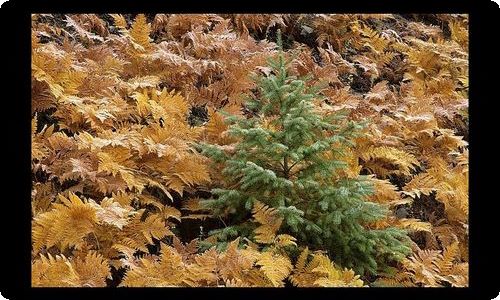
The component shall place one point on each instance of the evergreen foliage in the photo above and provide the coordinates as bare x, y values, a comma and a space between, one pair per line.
288, 157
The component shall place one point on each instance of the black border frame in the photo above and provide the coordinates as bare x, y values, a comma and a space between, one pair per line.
15, 235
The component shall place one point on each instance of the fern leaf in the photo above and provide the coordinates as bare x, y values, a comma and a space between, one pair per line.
269, 220
66, 224
139, 32
119, 21
113, 213
90, 271
275, 267
415, 225
283, 240
404, 161
450, 253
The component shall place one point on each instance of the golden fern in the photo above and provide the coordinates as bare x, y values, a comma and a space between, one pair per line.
275, 266
321, 272
59, 271
65, 225
139, 33
431, 268
388, 160
216, 129
270, 222
233, 267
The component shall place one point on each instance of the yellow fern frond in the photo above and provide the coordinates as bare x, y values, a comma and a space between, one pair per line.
283, 240
137, 234
331, 276
321, 272
189, 171
414, 225
302, 260
154, 227
276, 267
459, 33
450, 253
65, 225
90, 271
216, 128
168, 271
139, 32
173, 103
385, 192
52, 272
119, 21
392, 282
423, 183
270, 222
402, 161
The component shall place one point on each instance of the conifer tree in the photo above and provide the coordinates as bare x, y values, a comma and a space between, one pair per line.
288, 157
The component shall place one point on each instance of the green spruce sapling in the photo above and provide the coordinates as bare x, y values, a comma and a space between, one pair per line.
288, 157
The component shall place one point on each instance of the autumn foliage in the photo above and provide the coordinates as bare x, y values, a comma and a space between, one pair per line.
140, 124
